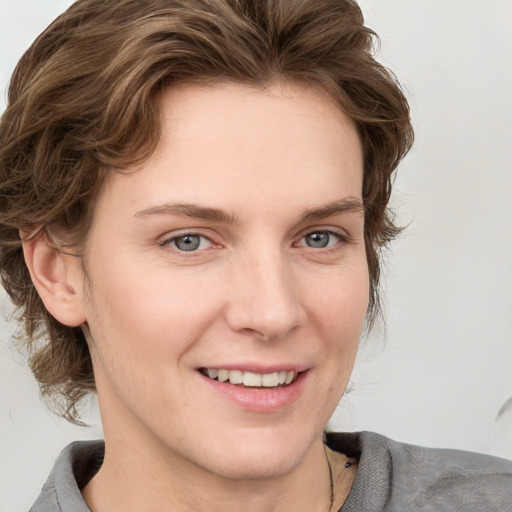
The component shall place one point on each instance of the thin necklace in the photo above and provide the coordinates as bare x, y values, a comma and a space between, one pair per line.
331, 480
331, 483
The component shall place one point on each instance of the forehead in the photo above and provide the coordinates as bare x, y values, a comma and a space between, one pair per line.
279, 118
234, 146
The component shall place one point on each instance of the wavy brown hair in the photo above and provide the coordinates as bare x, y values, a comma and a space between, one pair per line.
81, 104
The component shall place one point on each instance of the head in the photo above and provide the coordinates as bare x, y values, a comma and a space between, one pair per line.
85, 109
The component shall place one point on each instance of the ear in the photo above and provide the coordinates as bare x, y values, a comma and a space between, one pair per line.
58, 279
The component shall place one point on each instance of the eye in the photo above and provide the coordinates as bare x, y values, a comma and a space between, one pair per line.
320, 239
188, 242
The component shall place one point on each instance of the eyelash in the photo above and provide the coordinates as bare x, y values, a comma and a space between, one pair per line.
342, 238
169, 241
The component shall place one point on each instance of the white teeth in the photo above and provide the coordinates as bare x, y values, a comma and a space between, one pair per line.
270, 380
223, 375
251, 379
213, 373
236, 376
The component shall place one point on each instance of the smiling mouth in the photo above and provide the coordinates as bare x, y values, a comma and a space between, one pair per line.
250, 379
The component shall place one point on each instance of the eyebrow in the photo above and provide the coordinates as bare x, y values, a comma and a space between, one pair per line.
189, 210
346, 205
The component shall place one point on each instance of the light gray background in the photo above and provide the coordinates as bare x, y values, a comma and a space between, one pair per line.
444, 369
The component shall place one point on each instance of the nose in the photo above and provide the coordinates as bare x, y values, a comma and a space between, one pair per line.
264, 298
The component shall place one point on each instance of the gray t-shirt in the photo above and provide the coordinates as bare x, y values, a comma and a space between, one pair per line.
391, 477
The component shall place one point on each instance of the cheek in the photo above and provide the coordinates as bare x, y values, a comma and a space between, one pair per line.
341, 304
157, 308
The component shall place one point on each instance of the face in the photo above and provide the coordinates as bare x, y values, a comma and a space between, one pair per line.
227, 282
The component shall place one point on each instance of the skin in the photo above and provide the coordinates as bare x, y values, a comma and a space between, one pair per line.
254, 292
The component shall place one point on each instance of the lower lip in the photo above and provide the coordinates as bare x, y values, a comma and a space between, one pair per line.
259, 399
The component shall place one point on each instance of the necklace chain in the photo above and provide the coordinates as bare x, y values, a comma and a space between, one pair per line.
331, 483
331, 479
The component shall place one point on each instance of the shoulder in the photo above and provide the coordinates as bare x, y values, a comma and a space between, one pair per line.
401, 476
74, 467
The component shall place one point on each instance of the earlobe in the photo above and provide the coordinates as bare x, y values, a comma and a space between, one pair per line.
57, 278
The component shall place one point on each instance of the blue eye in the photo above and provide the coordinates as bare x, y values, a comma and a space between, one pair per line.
321, 239
188, 242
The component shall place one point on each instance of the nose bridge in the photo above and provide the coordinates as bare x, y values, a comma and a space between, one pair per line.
265, 297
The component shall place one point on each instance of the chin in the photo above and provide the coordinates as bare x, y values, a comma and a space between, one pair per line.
259, 458
255, 468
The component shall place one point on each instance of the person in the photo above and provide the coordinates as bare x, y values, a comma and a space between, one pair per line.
194, 196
